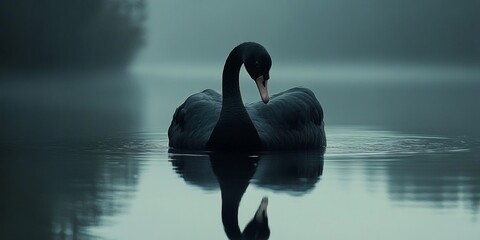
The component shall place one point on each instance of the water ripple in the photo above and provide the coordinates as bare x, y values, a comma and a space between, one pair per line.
360, 142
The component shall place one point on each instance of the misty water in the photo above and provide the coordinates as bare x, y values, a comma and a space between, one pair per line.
85, 156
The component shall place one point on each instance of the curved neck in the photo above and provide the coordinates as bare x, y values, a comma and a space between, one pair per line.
230, 78
230, 205
234, 119
233, 172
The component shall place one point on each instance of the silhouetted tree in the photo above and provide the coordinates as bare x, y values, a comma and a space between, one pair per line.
69, 33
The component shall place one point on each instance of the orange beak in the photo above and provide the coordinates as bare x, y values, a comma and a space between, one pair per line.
262, 88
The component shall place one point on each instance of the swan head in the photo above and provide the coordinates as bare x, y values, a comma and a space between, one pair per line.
257, 62
258, 228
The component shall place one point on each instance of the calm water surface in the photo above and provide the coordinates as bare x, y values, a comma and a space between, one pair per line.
369, 184
86, 157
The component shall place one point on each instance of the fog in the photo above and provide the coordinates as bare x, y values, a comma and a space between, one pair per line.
327, 31
345, 31
409, 65
88, 90
68, 34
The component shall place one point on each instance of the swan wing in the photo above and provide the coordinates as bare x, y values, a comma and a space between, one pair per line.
293, 119
194, 120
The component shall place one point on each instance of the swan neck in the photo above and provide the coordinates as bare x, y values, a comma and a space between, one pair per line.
232, 191
234, 119
230, 220
233, 179
230, 79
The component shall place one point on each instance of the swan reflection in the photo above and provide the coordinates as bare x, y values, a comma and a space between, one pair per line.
295, 173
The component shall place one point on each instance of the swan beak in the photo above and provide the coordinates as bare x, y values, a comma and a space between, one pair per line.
261, 213
262, 88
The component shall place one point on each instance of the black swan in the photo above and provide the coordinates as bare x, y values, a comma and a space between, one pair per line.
292, 172
292, 119
233, 173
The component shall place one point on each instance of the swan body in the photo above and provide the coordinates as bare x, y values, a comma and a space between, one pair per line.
292, 119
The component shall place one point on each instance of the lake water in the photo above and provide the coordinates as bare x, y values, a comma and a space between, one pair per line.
90, 160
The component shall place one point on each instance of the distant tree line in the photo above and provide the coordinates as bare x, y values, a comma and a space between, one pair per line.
70, 33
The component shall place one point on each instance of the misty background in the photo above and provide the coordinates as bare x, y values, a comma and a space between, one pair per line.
88, 89
73, 69
407, 65
338, 31
346, 31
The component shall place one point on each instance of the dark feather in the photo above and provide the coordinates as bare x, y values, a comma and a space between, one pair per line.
194, 120
293, 119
